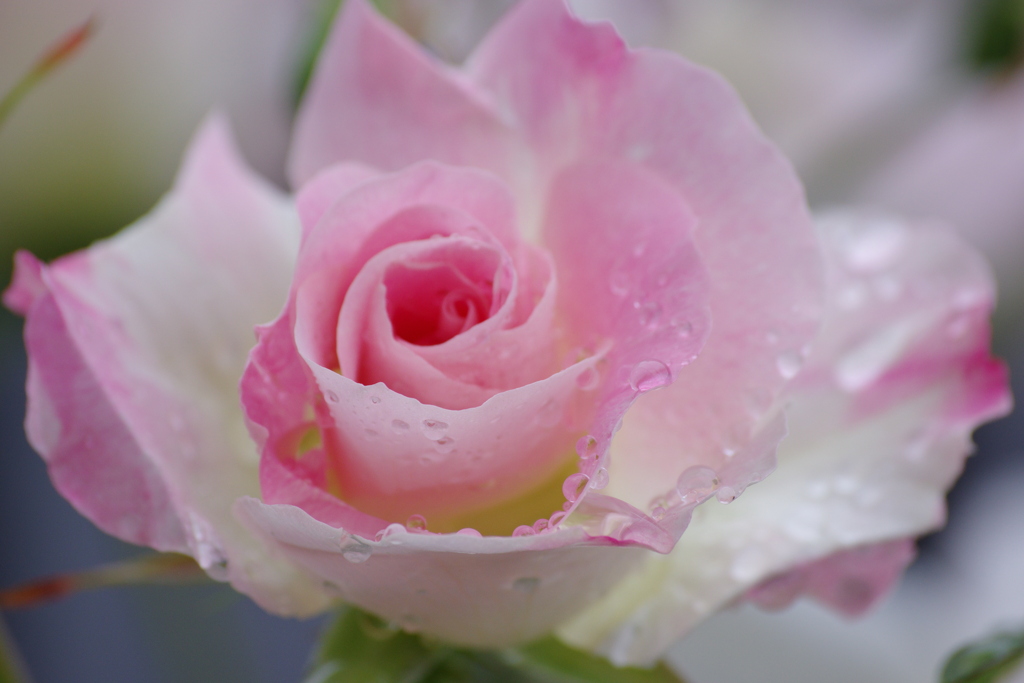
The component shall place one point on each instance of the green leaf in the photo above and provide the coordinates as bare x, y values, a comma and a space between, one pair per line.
996, 39
360, 648
551, 661
985, 661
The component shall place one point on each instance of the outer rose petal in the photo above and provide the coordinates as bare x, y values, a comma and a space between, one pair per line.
879, 422
467, 590
376, 97
572, 95
136, 346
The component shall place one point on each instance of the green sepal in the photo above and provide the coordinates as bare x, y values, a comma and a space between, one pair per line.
986, 661
360, 648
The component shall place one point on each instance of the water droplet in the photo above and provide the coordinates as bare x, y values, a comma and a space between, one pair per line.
445, 444
574, 486
696, 484
399, 425
600, 478
649, 313
588, 379
469, 531
540, 525
523, 530
434, 429
331, 396
375, 399
416, 523
586, 447
683, 328
526, 584
726, 495
619, 284
659, 508
390, 530
556, 519
728, 452
789, 364
356, 552
648, 375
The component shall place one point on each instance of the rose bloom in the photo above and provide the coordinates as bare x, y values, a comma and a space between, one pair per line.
535, 319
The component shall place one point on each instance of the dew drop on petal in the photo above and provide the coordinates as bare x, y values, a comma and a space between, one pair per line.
789, 364
390, 530
399, 425
659, 508
649, 313
726, 495
523, 530
445, 444
648, 375
586, 447
600, 478
416, 523
540, 525
574, 486
356, 552
556, 519
331, 396
696, 483
588, 379
434, 429
469, 531
375, 399
683, 328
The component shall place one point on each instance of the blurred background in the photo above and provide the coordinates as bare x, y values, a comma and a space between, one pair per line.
915, 106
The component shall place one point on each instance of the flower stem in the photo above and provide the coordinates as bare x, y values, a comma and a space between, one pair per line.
153, 568
61, 51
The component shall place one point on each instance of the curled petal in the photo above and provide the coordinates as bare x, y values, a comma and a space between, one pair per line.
467, 590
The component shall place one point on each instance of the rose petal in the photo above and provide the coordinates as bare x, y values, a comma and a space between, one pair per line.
577, 92
461, 588
879, 425
136, 348
376, 97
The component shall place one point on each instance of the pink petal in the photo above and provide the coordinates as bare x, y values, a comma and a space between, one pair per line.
397, 450
460, 588
880, 420
577, 93
135, 349
850, 581
376, 97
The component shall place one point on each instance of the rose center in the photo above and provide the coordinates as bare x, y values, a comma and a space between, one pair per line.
429, 303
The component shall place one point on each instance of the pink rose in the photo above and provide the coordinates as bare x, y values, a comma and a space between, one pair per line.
535, 313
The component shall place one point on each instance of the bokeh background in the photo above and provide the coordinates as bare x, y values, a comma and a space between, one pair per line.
912, 106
